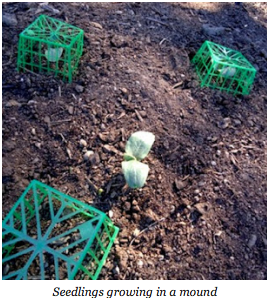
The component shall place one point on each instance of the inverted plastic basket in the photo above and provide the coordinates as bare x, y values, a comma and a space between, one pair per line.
224, 69
50, 235
50, 46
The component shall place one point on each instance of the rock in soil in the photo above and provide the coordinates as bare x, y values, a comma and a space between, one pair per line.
88, 154
9, 19
79, 88
213, 30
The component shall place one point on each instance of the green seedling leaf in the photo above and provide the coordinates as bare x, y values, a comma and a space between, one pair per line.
139, 144
128, 157
53, 54
100, 192
135, 173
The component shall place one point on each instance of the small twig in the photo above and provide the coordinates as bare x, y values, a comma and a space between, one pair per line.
171, 151
60, 121
8, 86
63, 139
147, 228
158, 21
92, 185
32, 72
157, 11
177, 84
138, 116
163, 40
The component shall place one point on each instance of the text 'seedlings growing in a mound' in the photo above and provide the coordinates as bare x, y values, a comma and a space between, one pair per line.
137, 148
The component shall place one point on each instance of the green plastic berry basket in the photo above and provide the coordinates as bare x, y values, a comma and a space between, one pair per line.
51, 46
50, 235
224, 69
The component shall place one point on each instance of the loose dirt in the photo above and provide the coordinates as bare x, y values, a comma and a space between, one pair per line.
202, 213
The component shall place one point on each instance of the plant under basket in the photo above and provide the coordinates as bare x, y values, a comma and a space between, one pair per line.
51, 46
224, 69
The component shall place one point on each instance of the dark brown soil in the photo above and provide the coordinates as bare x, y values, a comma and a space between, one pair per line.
202, 213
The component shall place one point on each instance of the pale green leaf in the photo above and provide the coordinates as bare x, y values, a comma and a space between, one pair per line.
139, 144
228, 71
30, 32
53, 54
135, 173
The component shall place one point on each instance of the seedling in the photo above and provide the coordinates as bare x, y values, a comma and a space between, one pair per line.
137, 148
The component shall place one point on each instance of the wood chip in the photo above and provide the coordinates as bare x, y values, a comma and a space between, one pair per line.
203, 208
121, 115
69, 153
96, 25
110, 148
179, 184
177, 84
138, 116
11, 103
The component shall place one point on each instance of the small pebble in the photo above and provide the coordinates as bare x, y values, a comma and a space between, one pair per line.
218, 152
83, 143
172, 209
127, 206
140, 263
134, 203
110, 214
180, 184
237, 122
38, 145
124, 90
113, 195
196, 198
79, 88
225, 123
213, 30
6, 269
136, 232
143, 113
71, 110
88, 154
252, 240
196, 192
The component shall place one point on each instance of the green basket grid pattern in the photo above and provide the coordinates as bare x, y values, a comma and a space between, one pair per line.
50, 235
223, 68
51, 46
